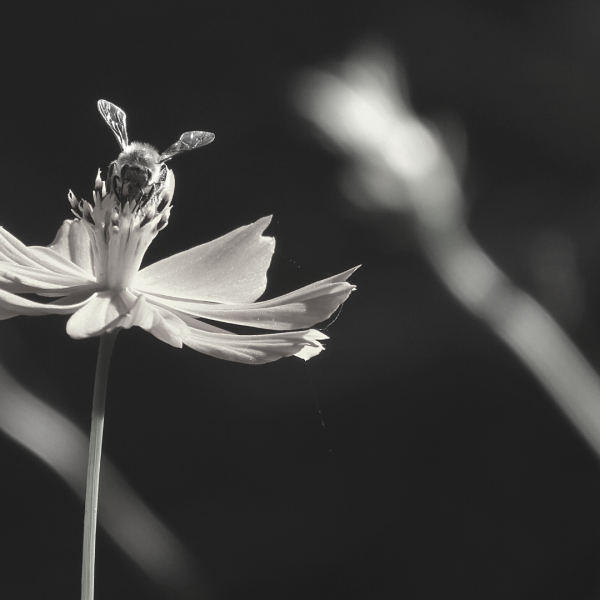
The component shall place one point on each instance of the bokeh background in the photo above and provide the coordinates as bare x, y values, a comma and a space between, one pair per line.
442, 469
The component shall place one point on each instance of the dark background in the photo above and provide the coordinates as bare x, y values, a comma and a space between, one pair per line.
443, 471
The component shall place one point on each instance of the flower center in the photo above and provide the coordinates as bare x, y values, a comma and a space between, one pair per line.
121, 233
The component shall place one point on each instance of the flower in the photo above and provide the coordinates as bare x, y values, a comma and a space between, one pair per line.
92, 267
399, 162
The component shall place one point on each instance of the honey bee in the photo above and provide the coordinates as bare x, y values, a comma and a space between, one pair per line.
139, 174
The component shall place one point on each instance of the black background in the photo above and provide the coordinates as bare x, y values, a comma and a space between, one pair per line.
443, 470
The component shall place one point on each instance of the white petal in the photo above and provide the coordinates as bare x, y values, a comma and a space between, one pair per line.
7, 314
53, 261
12, 251
19, 280
312, 350
231, 268
303, 308
97, 316
161, 323
10, 303
73, 243
77, 297
251, 349
111, 309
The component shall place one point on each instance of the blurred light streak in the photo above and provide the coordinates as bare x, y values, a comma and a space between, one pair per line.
400, 165
128, 521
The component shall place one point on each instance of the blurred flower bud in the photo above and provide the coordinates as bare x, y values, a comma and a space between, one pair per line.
399, 162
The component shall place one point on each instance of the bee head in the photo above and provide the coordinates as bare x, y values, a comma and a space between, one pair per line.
137, 174
140, 157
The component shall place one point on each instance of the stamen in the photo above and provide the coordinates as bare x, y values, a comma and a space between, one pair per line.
120, 231
73, 200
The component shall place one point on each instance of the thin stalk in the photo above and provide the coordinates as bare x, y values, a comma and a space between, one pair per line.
107, 342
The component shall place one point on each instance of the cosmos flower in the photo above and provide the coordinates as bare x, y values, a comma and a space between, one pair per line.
92, 268
398, 160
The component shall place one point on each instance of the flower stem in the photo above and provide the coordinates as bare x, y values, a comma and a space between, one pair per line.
107, 342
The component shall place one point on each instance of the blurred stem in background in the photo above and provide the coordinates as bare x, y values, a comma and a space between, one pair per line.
129, 522
400, 165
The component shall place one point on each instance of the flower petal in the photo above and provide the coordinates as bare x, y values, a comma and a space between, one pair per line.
231, 268
14, 251
7, 314
73, 243
252, 349
12, 305
97, 316
312, 350
111, 309
19, 280
303, 308
161, 323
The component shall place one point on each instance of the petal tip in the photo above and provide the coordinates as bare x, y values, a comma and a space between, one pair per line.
314, 346
264, 222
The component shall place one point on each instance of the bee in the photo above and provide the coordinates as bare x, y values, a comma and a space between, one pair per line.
140, 174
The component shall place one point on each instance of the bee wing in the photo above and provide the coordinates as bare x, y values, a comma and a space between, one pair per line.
115, 118
190, 140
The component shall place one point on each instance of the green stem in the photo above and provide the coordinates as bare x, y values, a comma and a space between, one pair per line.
107, 342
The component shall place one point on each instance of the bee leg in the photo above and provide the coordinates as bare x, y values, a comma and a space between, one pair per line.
110, 176
163, 173
113, 181
115, 188
145, 198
